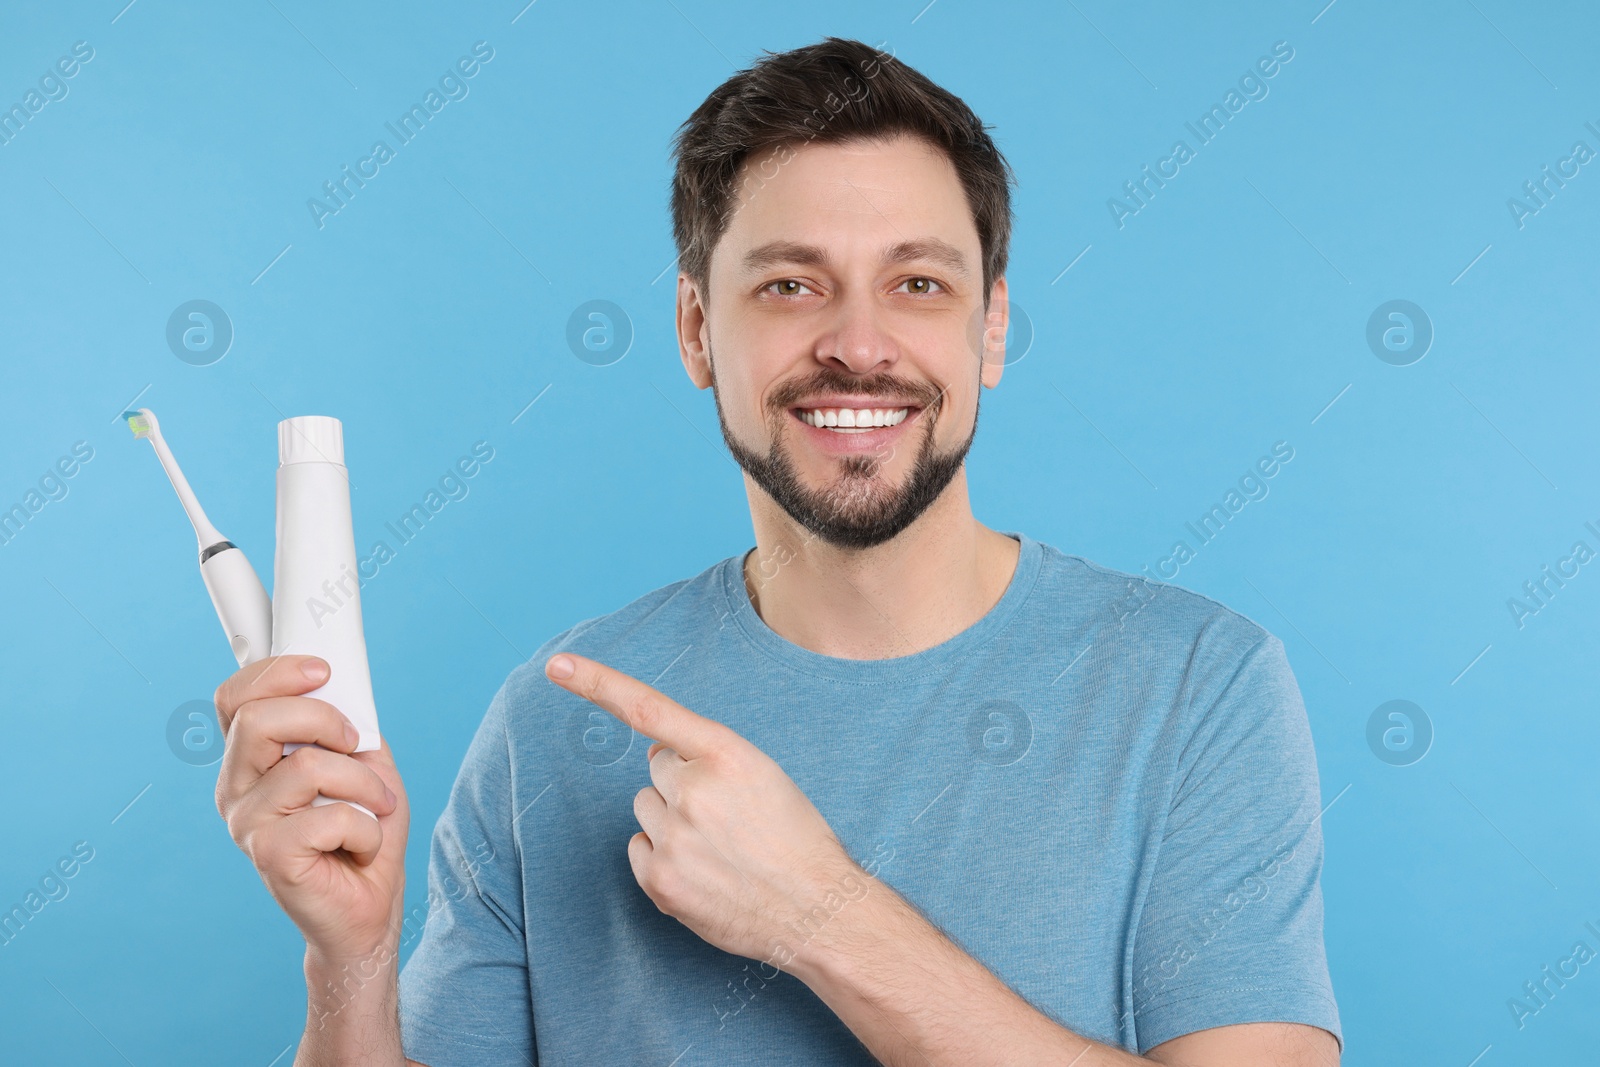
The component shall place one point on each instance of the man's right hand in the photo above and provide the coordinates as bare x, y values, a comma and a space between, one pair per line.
338, 874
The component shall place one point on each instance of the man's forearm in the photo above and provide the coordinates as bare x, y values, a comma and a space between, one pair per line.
352, 1012
914, 998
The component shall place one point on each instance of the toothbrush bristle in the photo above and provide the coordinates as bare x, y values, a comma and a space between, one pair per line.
137, 423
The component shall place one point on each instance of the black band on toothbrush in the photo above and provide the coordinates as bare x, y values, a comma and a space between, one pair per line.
212, 550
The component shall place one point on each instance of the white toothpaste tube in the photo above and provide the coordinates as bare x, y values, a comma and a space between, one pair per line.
316, 596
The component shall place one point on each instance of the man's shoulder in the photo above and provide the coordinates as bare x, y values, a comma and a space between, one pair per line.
1122, 599
633, 637
1202, 666
1155, 627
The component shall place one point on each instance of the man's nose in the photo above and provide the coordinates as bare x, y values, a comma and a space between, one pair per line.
858, 339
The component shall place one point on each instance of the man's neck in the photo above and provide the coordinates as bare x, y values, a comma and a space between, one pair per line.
935, 579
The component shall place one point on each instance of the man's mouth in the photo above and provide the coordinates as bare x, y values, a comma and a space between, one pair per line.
852, 419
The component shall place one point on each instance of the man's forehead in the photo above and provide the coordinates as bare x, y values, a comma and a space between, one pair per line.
897, 201
849, 175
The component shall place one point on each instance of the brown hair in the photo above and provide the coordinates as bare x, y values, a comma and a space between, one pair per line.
835, 90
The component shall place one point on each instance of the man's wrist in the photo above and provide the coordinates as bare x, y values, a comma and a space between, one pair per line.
862, 918
336, 986
352, 1009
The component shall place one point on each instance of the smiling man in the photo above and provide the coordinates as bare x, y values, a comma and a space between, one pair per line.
921, 791
890, 786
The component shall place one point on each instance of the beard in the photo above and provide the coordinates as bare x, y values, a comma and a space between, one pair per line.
856, 510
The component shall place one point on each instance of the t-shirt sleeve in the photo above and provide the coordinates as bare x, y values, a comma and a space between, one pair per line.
1231, 928
464, 992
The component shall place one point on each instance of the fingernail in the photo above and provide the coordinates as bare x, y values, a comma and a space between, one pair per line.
351, 734
560, 667
393, 800
315, 669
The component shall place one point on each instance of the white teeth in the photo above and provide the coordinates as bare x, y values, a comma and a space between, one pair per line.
853, 420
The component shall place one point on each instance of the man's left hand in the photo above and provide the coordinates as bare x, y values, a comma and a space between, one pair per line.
730, 846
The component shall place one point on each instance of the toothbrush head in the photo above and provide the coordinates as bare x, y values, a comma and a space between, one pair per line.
141, 422
145, 426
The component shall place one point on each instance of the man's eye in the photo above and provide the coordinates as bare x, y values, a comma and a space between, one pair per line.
920, 286
788, 287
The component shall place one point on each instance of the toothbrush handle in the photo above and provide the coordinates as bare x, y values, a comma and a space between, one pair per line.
240, 599
319, 800
245, 610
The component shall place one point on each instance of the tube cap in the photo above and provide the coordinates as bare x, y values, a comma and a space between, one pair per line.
310, 439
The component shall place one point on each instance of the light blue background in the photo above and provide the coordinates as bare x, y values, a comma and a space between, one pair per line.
1225, 316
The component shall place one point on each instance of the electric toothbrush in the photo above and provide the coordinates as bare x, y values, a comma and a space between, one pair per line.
240, 599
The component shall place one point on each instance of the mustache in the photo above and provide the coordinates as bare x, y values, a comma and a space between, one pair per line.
879, 387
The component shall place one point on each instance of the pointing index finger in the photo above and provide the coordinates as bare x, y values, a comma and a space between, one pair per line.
651, 713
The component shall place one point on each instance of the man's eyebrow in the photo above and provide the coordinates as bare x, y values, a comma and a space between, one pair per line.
932, 249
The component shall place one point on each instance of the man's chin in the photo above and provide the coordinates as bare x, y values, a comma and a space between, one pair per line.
849, 501
846, 484
860, 515
851, 522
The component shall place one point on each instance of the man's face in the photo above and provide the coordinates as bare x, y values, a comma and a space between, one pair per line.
843, 334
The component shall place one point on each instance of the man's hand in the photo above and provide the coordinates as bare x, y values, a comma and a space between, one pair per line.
730, 846
338, 874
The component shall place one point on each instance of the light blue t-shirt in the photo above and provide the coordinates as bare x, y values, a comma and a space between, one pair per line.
1104, 790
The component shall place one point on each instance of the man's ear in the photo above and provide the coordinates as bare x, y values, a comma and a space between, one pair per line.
997, 321
693, 333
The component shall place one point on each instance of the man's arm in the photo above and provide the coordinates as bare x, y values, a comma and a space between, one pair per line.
731, 847
915, 998
339, 875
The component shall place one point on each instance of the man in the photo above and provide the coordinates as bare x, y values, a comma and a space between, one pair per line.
919, 791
